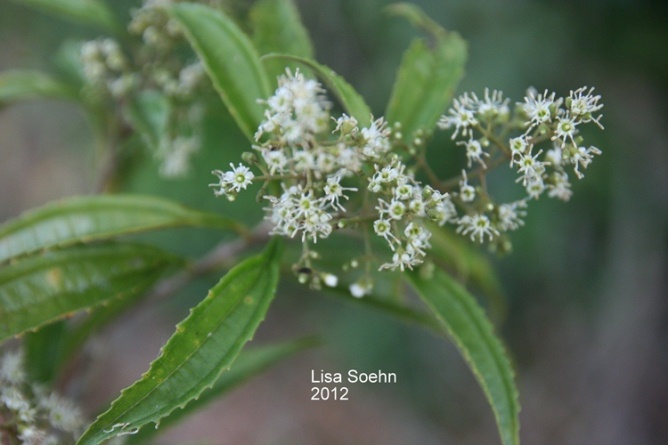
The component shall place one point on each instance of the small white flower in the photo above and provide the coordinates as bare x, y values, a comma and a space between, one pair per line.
396, 209
418, 237
303, 160
474, 152
176, 154
538, 107
361, 288
190, 77
14, 399
306, 204
316, 225
494, 106
462, 116
530, 168
582, 157
535, 187
239, 177
565, 130
466, 191
383, 228
417, 205
63, 414
276, 160
478, 226
11, 368
518, 147
402, 259
333, 191
376, 139
375, 186
559, 187
554, 157
31, 435
583, 105
510, 215
403, 192
330, 280
346, 125
232, 181
389, 173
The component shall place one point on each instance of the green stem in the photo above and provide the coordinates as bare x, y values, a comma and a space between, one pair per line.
448, 185
421, 160
492, 137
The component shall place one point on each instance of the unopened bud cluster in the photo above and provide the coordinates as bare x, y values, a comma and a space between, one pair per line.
361, 179
31, 415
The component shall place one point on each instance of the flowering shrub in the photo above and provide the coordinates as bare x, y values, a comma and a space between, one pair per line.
325, 167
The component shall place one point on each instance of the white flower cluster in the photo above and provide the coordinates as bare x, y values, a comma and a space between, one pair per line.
105, 66
296, 148
29, 413
542, 119
403, 204
154, 26
153, 66
364, 177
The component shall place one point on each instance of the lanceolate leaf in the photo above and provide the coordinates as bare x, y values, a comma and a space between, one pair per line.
277, 28
84, 219
428, 75
40, 289
396, 310
463, 319
89, 12
50, 349
350, 99
250, 363
469, 265
41, 351
203, 346
19, 85
230, 60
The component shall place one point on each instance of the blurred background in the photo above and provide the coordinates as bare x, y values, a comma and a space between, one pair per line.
586, 284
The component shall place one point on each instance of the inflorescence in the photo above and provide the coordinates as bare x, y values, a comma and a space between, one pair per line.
362, 179
31, 414
152, 72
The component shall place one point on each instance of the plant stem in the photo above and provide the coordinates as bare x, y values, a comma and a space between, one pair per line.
223, 254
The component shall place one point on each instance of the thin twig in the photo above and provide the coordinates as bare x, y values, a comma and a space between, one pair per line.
223, 254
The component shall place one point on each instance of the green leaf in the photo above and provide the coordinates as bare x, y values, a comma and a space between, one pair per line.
464, 320
203, 346
414, 14
42, 349
90, 218
350, 99
20, 85
52, 347
427, 77
230, 60
76, 335
250, 363
149, 113
469, 265
277, 28
40, 289
89, 12
390, 308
